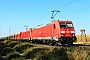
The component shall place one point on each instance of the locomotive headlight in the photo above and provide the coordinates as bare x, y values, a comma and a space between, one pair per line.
73, 35
62, 34
72, 32
62, 31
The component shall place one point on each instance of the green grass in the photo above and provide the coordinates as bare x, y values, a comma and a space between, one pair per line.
13, 55
35, 53
22, 46
20, 58
12, 50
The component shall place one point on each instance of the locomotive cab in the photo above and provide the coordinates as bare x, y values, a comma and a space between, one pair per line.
67, 32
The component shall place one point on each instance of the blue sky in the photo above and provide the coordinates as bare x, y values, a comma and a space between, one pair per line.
15, 14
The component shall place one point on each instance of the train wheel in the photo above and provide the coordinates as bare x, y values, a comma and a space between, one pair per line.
33, 41
50, 44
63, 43
47, 42
57, 43
69, 44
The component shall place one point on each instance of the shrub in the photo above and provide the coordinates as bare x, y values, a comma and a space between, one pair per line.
13, 55
6, 50
21, 47
13, 43
36, 53
20, 58
58, 54
0, 57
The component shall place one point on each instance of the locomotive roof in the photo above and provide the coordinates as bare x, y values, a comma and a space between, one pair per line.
39, 26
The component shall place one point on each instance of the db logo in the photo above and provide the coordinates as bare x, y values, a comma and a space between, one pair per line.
67, 31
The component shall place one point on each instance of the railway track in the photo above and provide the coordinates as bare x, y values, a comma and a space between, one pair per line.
55, 46
60, 46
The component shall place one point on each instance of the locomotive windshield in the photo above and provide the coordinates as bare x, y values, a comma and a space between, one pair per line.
66, 25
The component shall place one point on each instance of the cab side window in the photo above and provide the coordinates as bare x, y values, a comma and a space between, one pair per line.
54, 26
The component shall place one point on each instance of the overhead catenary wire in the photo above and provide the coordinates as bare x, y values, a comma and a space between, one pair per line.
42, 17
66, 4
76, 11
63, 6
58, 8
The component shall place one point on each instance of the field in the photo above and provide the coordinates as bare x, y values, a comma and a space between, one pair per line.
14, 50
83, 39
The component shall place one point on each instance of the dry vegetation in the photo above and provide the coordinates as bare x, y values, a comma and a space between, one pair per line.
12, 50
83, 39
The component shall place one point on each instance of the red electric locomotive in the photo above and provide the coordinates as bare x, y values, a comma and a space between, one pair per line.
17, 36
59, 31
25, 35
